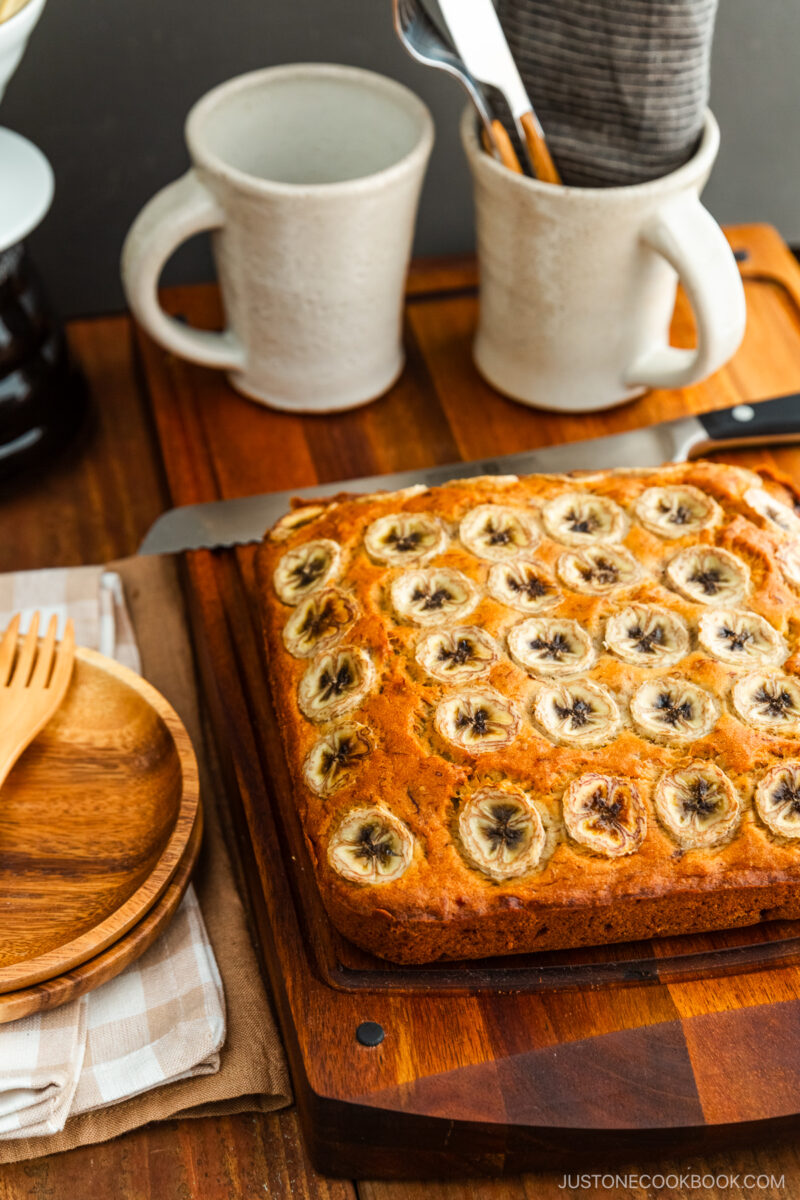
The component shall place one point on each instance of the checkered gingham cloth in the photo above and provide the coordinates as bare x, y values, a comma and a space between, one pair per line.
163, 1018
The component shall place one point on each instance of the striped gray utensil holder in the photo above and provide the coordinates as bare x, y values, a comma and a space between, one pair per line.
620, 86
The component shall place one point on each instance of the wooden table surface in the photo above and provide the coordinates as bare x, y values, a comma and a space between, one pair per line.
94, 506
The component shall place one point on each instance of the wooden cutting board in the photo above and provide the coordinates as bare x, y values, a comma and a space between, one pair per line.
494, 1067
95, 819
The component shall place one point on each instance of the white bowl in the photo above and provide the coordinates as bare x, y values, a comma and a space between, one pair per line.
14, 34
26, 187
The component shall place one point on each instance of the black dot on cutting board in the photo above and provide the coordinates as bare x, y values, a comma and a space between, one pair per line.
370, 1033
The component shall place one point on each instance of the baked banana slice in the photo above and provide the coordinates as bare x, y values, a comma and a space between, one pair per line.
778, 799
433, 595
708, 575
306, 569
494, 531
371, 845
789, 560
698, 805
477, 721
646, 635
405, 538
524, 584
597, 570
295, 520
551, 646
501, 832
605, 814
334, 760
778, 514
318, 622
674, 710
457, 655
770, 702
577, 714
334, 683
677, 511
581, 518
741, 639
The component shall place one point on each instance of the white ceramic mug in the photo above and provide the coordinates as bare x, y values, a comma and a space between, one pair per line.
577, 285
309, 177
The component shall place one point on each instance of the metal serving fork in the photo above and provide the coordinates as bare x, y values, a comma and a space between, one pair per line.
34, 678
427, 44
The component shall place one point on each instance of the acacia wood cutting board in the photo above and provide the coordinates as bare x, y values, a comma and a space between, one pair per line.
483, 1067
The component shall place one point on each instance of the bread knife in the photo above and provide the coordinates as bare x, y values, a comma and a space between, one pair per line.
222, 523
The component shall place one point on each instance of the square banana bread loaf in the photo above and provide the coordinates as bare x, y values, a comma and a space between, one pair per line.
529, 714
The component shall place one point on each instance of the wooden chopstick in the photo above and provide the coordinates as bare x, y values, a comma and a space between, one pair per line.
543, 166
505, 147
541, 159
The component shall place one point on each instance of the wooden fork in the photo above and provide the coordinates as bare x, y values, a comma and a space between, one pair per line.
34, 678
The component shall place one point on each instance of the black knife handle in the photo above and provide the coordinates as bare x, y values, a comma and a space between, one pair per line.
763, 421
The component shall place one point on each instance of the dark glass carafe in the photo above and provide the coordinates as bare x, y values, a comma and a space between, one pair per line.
42, 396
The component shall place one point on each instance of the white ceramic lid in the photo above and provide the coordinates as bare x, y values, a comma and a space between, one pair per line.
26, 187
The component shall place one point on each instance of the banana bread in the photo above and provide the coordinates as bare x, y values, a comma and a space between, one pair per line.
546, 712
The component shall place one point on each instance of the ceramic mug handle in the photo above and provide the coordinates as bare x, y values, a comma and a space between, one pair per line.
692, 242
179, 210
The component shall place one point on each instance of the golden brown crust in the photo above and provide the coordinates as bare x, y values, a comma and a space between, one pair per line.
441, 905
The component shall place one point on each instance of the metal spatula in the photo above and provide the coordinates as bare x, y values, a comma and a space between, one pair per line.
479, 39
425, 42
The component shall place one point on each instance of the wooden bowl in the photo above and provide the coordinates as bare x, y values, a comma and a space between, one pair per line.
52, 993
94, 821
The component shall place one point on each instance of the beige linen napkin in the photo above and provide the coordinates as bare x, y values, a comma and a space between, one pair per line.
249, 1071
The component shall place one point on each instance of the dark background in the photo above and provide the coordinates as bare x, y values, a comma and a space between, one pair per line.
105, 86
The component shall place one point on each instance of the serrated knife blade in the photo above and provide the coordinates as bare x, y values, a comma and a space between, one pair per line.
222, 523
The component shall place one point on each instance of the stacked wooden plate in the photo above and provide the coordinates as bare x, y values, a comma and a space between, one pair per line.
100, 826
